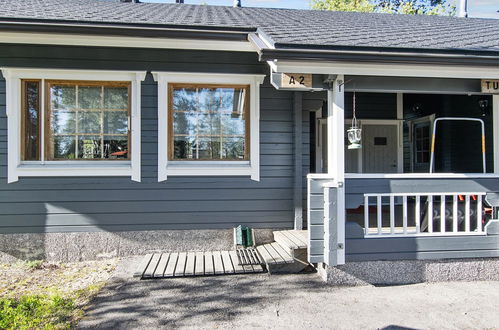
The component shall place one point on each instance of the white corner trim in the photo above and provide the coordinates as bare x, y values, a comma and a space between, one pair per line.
16, 168
194, 168
122, 41
495, 126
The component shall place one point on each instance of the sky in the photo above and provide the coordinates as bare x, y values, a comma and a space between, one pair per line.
476, 8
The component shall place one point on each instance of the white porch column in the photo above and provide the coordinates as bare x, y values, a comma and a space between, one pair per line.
334, 208
495, 119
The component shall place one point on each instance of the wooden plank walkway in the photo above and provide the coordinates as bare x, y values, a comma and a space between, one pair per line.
182, 264
292, 239
274, 254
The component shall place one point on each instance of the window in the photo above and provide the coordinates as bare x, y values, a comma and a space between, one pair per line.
73, 123
422, 143
209, 122
87, 120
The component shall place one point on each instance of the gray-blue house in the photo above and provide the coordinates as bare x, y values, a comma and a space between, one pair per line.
132, 127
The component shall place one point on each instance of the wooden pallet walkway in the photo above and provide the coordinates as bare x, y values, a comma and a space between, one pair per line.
274, 254
184, 264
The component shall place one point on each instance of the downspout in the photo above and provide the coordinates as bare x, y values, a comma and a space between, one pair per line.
463, 8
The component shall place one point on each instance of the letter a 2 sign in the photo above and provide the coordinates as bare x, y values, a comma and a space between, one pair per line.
296, 80
490, 86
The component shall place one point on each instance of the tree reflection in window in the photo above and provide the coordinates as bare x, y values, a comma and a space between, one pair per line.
209, 122
88, 121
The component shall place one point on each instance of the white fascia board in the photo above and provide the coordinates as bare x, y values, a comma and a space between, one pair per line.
194, 168
119, 41
17, 168
384, 69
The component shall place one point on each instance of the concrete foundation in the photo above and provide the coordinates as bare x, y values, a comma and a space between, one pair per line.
410, 271
80, 246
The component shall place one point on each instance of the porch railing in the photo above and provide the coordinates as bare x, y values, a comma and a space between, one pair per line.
423, 214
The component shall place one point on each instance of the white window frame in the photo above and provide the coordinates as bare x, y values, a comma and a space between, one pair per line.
167, 168
18, 168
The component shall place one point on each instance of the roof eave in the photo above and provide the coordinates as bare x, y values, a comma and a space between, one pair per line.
381, 56
129, 30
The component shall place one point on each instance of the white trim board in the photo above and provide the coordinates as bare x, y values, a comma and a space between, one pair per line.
208, 168
18, 168
115, 41
392, 69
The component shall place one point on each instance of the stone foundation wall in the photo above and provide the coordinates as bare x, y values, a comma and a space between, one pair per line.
410, 271
79, 246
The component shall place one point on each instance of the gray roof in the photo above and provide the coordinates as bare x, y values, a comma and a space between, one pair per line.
284, 27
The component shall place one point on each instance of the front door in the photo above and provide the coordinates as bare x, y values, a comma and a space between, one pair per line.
379, 148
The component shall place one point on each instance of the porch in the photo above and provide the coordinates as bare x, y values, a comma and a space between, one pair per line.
424, 183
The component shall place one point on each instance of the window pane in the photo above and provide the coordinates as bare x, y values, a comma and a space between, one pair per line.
95, 127
116, 97
89, 147
184, 99
116, 122
63, 122
233, 148
184, 123
89, 122
31, 120
64, 147
208, 148
63, 97
90, 97
116, 147
233, 124
209, 123
184, 147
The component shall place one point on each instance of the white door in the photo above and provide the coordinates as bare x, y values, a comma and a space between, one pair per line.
379, 148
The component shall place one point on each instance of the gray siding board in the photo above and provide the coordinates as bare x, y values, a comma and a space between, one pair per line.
38, 204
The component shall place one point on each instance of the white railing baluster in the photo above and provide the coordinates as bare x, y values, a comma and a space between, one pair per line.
379, 214
418, 214
430, 214
366, 215
399, 204
467, 214
454, 213
442, 214
479, 213
404, 214
392, 214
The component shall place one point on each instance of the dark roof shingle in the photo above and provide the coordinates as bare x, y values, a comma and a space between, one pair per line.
285, 27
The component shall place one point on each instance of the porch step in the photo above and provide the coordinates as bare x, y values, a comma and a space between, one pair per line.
288, 254
294, 242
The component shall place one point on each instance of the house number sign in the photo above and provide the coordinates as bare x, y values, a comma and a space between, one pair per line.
490, 86
296, 80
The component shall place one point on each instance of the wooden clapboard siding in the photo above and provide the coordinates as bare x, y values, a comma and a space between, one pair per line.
61, 204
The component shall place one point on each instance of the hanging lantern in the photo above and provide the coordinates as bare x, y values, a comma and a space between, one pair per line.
354, 134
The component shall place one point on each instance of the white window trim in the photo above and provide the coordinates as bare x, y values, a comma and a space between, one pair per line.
18, 168
208, 168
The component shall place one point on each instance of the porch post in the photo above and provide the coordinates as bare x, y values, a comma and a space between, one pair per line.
334, 208
298, 154
495, 119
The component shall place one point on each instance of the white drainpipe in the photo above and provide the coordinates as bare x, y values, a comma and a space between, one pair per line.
463, 8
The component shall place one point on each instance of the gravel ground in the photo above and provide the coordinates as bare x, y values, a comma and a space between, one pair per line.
42, 277
287, 301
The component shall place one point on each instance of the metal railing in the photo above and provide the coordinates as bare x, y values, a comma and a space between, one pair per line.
423, 214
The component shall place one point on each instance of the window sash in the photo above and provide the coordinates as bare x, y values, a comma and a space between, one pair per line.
49, 135
246, 116
24, 120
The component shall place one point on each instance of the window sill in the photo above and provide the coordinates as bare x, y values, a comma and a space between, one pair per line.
210, 168
68, 168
